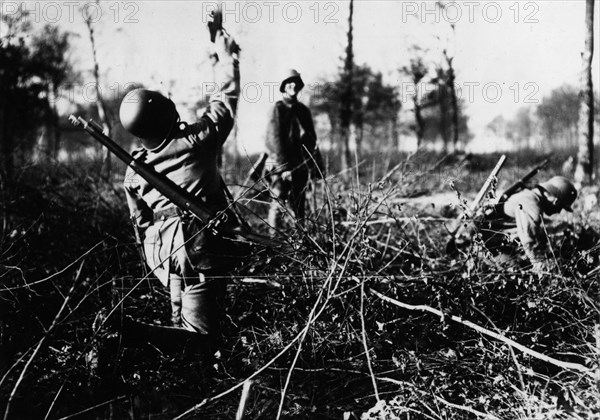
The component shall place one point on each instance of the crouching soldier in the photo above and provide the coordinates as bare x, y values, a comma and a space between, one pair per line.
187, 256
521, 217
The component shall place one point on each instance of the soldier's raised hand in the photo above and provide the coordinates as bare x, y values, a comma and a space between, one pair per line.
215, 23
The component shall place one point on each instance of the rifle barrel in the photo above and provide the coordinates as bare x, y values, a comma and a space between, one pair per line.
487, 184
177, 195
521, 182
475, 204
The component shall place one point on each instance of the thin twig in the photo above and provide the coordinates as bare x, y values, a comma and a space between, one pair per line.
364, 339
512, 354
269, 363
298, 337
94, 407
312, 318
14, 365
39, 345
28, 285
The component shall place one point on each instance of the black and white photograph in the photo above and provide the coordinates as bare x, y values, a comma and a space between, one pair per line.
345, 209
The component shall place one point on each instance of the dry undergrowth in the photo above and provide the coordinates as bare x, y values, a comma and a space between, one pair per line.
364, 317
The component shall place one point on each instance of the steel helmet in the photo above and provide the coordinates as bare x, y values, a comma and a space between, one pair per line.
149, 115
561, 188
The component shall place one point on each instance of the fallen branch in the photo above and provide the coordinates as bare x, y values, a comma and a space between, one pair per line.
424, 308
387, 220
266, 282
467, 409
243, 400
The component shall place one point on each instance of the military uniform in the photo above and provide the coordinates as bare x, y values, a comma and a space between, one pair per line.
520, 217
292, 144
184, 254
520, 220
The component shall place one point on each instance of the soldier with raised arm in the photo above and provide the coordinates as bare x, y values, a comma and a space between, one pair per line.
185, 254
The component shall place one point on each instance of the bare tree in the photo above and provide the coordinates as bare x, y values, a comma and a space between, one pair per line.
15, 57
347, 95
520, 129
453, 99
30, 76
450, 82
443, 101
50, 48
374, 110
585, 157
558, 116
417, 70
103, 113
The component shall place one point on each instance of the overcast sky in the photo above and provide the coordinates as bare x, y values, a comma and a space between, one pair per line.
508, 54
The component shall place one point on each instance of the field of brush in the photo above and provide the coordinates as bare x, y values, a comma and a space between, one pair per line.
366, 318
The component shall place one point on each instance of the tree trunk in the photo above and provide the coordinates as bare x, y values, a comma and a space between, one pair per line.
234, 149
443, 125
347, 98
43, 152
453, 101
420, 127
585, 157
56, 123
102, 111
6, 143
333, 130
358, 136
346, 155
393, 143
353, 139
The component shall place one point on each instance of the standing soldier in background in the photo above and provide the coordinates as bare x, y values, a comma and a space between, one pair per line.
184, 253
292, 145
521, 216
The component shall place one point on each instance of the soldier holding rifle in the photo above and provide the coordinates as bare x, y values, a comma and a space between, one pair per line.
186, 255
518, 214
